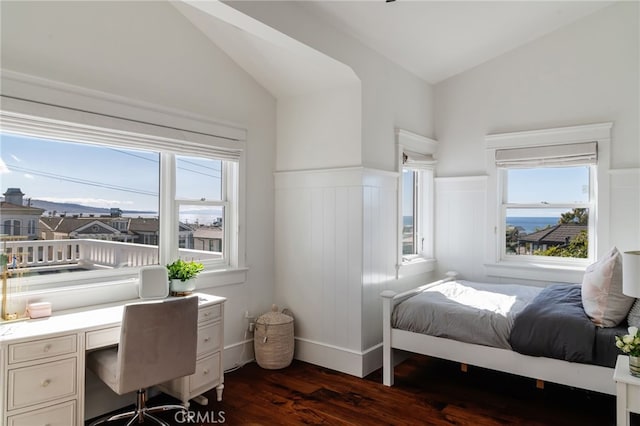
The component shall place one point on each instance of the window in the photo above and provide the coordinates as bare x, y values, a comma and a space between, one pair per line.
546, 211
107, 200
204, 190
415, 198
11, 227
547, 207
31, 229
417, 205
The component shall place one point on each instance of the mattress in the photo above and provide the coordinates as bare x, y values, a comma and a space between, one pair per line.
471, 312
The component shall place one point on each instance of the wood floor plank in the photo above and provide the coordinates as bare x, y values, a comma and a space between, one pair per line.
428, 392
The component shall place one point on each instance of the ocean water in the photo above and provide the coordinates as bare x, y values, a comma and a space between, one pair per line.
531, 224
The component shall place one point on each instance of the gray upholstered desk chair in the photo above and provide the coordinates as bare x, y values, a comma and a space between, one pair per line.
157, 343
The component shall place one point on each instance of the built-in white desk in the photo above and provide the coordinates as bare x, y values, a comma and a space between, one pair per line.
42, 361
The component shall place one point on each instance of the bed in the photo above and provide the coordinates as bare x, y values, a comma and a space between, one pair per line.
491, 326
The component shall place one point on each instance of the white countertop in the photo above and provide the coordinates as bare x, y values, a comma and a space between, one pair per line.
80, 319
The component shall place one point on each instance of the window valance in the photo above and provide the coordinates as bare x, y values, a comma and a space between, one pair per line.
548, 156
45, 121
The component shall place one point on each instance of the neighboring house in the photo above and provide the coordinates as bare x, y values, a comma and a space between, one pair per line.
18, 219
558, 235
139, 230
98, 228
208, 238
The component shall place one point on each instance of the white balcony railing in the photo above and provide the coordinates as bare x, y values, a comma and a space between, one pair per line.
85, 254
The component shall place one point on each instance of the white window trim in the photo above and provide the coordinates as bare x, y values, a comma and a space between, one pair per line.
24, 97
547, 269
424, 262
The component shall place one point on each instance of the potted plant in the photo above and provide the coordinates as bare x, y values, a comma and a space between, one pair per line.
182, 276
630, 345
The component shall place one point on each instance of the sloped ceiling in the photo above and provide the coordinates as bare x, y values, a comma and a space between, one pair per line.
279, 63
438, 39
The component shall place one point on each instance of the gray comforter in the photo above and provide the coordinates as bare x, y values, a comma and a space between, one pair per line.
555, 325
467, 311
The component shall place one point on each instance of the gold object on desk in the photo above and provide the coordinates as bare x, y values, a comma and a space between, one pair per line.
6, 274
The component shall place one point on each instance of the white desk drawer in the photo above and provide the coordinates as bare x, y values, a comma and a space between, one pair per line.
41, 383
207, 374
43, 348
209, 313
58, 415
209, 337
102, 338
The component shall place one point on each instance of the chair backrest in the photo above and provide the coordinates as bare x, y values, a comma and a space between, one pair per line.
157, 342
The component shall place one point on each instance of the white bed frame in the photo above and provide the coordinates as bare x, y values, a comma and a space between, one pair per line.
584, 376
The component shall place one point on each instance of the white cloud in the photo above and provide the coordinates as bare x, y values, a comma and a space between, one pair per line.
3, 167
28, 176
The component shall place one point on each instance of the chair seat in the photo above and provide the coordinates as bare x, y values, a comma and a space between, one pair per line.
104, 363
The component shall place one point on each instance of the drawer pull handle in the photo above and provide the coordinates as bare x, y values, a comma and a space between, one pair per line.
206, 339
45, 383
46, 348
206, 371
206, 314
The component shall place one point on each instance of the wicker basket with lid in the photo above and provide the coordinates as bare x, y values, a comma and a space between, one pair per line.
273, 339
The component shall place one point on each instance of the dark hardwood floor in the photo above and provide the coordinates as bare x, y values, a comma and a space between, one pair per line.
427, 392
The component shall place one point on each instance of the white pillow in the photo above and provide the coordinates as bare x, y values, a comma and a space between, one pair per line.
602, 296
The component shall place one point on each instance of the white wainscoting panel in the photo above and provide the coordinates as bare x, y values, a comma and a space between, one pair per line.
379, 242
319, 253
624, 209
335, 252
460, 225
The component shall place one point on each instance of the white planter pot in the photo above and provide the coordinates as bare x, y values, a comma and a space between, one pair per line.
182, 288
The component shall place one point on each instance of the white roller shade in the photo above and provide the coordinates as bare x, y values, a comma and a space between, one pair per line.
54, 122
548, 156
416, 160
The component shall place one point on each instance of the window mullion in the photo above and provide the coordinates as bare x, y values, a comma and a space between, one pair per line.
168, 220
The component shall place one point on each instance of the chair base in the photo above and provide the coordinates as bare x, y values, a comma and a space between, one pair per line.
141, 412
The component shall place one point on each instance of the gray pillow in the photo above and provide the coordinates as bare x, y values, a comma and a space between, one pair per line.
634, 314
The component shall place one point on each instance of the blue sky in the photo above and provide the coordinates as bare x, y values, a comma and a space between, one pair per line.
547, 185
538, 186
98, 176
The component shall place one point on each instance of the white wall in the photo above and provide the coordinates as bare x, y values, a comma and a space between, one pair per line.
320, 129
148, 52
337, 215
584, 73
391, 96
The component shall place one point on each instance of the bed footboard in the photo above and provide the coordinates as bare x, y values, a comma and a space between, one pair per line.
387, 350
389, 300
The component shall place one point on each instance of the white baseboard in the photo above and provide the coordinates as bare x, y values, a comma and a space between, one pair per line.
355, 363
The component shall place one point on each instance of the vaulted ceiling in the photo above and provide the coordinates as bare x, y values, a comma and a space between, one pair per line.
434, 40
438, 39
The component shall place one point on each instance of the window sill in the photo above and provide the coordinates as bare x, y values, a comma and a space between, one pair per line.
417, 265
536, 271
113, 289
221, 277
